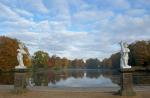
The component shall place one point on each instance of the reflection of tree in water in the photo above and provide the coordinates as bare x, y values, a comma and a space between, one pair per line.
141, 78
93, 73
64, 74
77, 74
51, 77
6, 78
40, 78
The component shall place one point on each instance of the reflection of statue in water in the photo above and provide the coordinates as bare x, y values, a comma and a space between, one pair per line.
21, 51
124, 55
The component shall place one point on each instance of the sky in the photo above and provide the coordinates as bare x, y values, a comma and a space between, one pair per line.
75, 28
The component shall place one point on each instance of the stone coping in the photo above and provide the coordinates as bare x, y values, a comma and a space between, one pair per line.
127, 70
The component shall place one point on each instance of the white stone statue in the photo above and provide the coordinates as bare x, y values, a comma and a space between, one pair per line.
20, 51
124, 55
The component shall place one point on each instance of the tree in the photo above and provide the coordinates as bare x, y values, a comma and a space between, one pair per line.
65, 62
40, 59
106, 63
8, 51
58, 63
92, 63
139, 55
115, 59
77, 63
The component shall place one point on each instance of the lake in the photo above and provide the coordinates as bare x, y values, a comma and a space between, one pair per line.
75, 78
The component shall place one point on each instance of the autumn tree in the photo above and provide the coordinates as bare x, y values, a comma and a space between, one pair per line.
8, 51
56, 62
65, 63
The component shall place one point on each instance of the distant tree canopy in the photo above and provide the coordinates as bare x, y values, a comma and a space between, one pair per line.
77, 63
40, 59
139, 56
92, 63
140, 53
56, 62
8, 54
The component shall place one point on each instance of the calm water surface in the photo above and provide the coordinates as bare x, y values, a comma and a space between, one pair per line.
75, 78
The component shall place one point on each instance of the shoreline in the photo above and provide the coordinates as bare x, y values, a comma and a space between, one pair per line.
73, 89
45, 92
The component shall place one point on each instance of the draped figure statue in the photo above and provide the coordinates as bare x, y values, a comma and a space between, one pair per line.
20, 54
124, 55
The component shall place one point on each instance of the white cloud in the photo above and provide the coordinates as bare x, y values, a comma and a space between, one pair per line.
6, 12
37, 5
23, 12
136, 12
93, 15
121, 4
91, 19
60, 13
11, 20
112, 4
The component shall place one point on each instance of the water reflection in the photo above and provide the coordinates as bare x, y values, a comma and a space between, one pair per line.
75, 78
72, 78
100, 81
6, 78
141, 78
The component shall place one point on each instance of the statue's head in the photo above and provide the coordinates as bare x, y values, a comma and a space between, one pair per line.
21, 45
125, 44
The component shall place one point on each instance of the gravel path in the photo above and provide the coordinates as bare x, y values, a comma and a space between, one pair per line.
45, 92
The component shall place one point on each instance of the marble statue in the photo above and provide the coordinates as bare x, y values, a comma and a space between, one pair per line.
124, 55
20, 51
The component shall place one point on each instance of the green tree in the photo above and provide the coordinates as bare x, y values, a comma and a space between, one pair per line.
115, 59
106, 63
92, 63
40, 59
139, 55
77, 63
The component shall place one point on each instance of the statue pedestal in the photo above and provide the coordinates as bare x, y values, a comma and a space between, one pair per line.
20, 80
126, 82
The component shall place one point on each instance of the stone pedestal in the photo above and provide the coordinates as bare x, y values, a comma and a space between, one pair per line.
20, 80
126, 82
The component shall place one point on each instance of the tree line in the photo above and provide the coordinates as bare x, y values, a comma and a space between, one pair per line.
139, 56
41, 59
